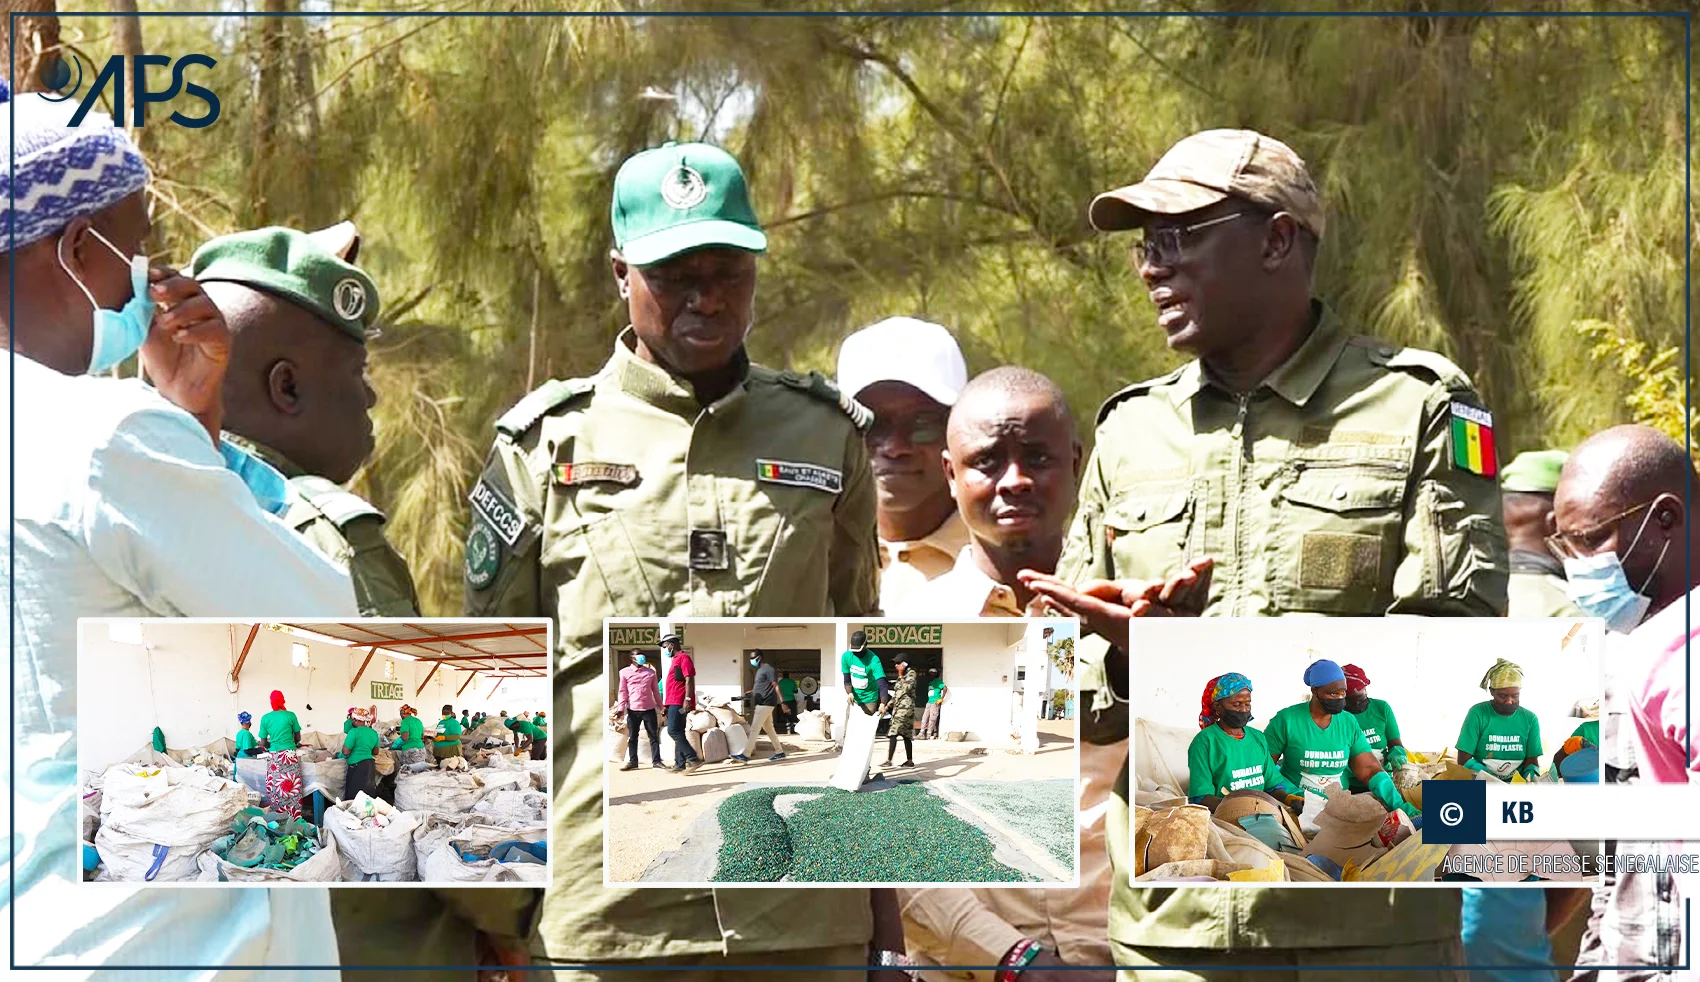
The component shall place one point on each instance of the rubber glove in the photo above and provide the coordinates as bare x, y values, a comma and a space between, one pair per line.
1396, 758
1530, 772
1411, 811
1474, 764
1381, 786
1296, 803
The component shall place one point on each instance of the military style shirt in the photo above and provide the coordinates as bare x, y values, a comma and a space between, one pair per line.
1336, 487
622, 495
1351, 482
348, 530
1537, 587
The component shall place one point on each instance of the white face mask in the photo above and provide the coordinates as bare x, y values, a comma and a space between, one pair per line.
1599, 586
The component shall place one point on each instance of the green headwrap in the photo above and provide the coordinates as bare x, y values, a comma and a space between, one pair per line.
1503, 675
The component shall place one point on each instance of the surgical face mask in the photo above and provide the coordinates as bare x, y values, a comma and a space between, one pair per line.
754, 662
118, 334
1233, 719
1357, 704
1333, 706
639, 659
1598, 585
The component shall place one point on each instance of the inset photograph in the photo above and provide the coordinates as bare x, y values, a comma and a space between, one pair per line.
1295, 751
841, 752
370, 751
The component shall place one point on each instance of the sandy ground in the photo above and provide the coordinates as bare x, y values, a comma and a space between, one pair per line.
648, 810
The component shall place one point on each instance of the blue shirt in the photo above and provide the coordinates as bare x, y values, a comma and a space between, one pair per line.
1505, 928
124, 508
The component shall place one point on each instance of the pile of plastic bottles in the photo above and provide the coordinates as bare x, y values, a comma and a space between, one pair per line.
267, 840
372, 812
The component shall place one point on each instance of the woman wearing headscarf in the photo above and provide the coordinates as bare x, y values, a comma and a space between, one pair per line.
410, 746
1228, 754
358, 745
1317, 742
279, 729
246, 745
1499, 736
1375, 717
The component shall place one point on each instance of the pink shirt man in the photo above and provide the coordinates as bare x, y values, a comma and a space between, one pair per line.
637, 688
1659, 704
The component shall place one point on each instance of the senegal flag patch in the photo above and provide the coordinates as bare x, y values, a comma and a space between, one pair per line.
1472, 440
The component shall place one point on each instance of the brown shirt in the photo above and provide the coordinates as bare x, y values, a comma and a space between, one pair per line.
905, 567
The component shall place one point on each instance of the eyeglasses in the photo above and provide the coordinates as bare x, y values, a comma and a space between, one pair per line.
1166, 243
923, 429
1586, 542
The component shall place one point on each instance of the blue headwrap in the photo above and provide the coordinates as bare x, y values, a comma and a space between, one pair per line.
1323, 672
61, 172
1220, 687
244, 719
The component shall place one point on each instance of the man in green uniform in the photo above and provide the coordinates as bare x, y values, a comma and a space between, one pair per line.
788, 695
296, 394
280, 729
864, 676
936, 690
679, 480
1318, 743
902, 716
1537, 587
1500, 736
1375, 717
1290, 468
1229, 754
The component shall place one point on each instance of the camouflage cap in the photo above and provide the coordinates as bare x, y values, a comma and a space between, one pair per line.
306, 269
1207, 167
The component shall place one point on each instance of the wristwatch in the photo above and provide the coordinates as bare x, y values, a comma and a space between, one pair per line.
894, 959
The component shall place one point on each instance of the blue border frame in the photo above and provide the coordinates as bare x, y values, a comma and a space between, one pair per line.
11, 488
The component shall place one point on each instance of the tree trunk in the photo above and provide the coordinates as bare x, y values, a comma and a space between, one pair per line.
37, 37
267, 111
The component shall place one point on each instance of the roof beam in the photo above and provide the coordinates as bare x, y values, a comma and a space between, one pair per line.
236, 673
369, 653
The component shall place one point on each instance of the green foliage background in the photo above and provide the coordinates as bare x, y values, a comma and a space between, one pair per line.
1506, 190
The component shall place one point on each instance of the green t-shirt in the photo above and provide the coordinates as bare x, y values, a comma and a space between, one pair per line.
1380, 730
1311, 757
449, 731
1489, 736
1589, 731
788, 690
245, 740
279, 728
935, 692
361, 741
347, 725
525, 728
412, 733
1219, 763
865, 672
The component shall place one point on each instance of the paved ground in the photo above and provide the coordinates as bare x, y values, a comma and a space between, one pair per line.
651, 811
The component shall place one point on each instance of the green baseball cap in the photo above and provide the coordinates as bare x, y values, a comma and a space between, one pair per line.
1533, 471
303, 268
679, 197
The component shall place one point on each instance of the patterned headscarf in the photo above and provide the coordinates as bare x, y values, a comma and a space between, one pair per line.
407, 710
60, 172
1356, 679
244, 719
364, 716
1218, 688
1503, 675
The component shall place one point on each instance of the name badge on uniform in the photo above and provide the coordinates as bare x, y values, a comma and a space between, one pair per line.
1472, 440
800, 475
494, 507
569, 475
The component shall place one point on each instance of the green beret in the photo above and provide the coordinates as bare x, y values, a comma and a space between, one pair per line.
293, 265
1534, 471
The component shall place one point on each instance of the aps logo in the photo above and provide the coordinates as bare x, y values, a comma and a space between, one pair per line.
63, 75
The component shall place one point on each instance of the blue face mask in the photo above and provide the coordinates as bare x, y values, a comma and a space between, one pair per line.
118, 334
1598, 586
754, 662
639, 659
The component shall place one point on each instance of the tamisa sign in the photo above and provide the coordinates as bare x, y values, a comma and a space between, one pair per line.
905, 635
637, 637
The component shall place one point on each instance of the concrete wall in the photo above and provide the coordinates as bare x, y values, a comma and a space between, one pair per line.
1428, 670
124, 691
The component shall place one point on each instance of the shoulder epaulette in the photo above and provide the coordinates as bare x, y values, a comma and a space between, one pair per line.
333, 501
1415, 361
1136, 389
535, 405
821, 387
